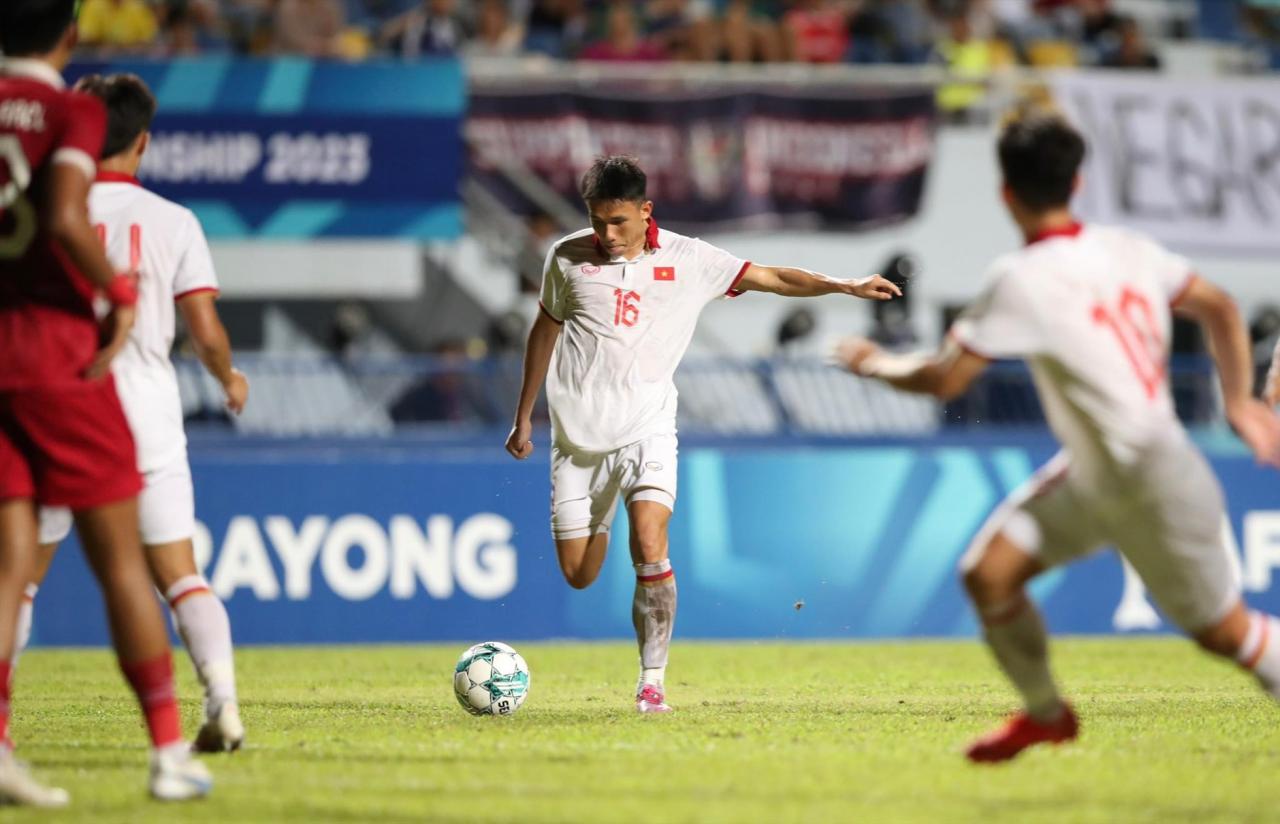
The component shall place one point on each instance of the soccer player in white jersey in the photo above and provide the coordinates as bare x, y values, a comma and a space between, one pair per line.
1087, 308
619, 304
163, 244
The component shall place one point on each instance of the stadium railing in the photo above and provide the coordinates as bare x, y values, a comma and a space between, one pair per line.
317, 395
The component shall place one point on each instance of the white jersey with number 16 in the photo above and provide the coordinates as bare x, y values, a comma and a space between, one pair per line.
163, 243
1088, 308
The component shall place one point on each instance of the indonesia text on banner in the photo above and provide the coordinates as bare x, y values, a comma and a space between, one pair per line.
722, 157
1196, 165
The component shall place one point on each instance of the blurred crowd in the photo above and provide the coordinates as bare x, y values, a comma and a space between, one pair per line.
969, 35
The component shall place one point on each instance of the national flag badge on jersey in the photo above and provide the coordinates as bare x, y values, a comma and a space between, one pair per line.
664, 273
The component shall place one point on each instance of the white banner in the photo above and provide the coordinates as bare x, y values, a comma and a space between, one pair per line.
1194, 164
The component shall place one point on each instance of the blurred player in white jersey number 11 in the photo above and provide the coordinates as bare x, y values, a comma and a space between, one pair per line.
163, 246
1088, 308
619, 305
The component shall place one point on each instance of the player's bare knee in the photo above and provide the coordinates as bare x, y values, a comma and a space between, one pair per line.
579, 577
988, 582
649, 546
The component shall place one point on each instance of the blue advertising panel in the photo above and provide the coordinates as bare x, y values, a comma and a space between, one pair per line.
767, 542
292, 148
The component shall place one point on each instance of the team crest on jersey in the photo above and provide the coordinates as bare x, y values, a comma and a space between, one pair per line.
664, 273
590, 269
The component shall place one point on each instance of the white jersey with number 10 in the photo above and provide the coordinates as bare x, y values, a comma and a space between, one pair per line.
164, 245
1088, 308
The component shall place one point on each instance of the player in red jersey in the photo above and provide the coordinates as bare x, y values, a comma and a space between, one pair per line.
64, 439
1088, 308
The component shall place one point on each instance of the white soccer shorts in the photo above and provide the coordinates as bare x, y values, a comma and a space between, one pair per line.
166, 509
585, 486
1167, 522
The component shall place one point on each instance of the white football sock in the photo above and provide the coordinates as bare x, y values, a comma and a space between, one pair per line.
22, 635
653, 613
1260, 652
1017, 638
206, 631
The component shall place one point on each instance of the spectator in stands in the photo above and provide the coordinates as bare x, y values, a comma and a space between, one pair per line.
892, 325
684, 29
434, 28
795, 330
1132, 51
890, 31
452, 390
376, 12
497, 35
1264, 335
532, 257
556, 28
309, 27
350, 326
817, 31
1261, 25
248, 25
623, 40
117, 26
1099, 23
192, 27
749, 33
970, 59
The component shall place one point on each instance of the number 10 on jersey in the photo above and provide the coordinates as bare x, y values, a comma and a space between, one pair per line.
1134, 324
625, 308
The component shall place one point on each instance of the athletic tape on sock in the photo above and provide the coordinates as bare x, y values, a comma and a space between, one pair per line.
185, 587
652, 575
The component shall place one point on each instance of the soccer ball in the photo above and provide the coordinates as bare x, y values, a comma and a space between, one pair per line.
491, 679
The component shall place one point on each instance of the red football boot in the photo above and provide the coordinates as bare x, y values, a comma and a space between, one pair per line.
1022, 731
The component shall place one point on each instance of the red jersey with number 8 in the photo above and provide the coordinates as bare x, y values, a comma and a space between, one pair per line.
64, 440
48, 333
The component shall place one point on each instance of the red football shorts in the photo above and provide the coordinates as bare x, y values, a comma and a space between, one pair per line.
67, 446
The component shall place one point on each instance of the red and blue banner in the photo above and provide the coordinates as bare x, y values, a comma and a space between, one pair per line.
716, 157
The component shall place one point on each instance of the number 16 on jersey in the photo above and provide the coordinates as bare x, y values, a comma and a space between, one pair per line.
626, 310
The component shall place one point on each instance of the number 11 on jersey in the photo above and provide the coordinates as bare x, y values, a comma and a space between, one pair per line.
135, 246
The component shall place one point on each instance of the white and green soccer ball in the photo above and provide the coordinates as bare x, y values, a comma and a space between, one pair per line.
491, 679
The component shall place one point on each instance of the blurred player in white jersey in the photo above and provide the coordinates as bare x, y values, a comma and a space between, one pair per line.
1088, 308
619, 305
163, 245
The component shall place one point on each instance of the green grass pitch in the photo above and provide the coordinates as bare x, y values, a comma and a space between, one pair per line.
804, 732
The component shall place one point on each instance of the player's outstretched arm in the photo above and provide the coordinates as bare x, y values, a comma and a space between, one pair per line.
1215, 311
801, 283
213, 347
537, 359
946, 374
